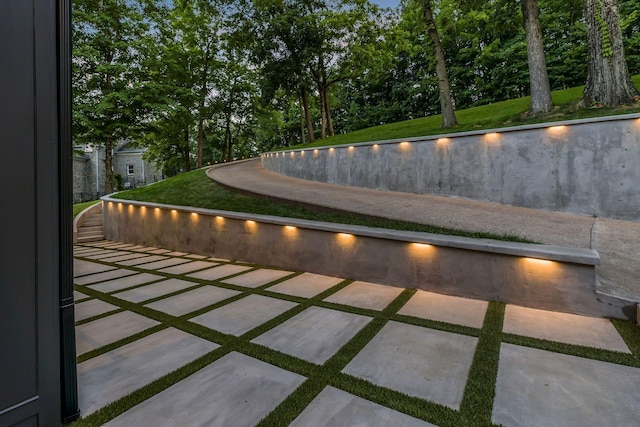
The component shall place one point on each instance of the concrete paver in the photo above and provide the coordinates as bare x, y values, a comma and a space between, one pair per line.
306, 285
421, 362
563, 327
256, 278
235, 390
219, 272
142, 260
106, 330
155, 290
79, 296
539, 388
188, 267
337, 408
101, 277
446, 308
157, 265
365, 295
196, 256
124, 257
242, 315
94, 307
314, 335
101, 254
82, 268
125, 282
193, 300
108, 377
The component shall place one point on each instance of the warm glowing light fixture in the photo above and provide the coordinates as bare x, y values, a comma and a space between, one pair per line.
443, 141
538, 261
420, 245
351, 148
290, 227
345, 235
405, 144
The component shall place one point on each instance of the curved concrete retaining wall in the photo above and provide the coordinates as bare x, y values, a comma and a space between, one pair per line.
538, 276
589, 167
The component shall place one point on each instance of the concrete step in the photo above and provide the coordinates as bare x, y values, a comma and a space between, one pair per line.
91, 229
86, 239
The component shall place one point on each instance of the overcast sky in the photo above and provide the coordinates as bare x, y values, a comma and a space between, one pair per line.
386, 3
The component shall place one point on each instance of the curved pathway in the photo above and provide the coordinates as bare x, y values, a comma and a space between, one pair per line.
618, 242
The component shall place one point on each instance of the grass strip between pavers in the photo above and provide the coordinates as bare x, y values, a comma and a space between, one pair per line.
477, 403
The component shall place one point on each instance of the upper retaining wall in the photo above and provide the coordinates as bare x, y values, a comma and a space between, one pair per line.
589, 167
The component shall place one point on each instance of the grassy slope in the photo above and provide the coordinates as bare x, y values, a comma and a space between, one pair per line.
77, 208
499, 114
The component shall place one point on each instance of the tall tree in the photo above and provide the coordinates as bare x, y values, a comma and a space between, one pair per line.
446, 103
608, 79
106, 43
538, 78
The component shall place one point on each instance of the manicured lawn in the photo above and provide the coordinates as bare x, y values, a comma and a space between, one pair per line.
197, 190
77, 208
497, 115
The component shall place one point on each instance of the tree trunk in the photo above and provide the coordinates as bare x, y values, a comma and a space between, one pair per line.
185, 152
538, 78
323, 110
307, 114
446, 104
608, 80
200, 142
302, 138
327, 106
108, 164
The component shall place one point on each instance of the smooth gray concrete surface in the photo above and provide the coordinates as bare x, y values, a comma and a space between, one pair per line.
242, 315
143, 260
563, 327
110, 376
306, 285
314, 335
101, 254
123, 257
365, 295
539, 388
337, 408
82, 268
154, 290
79, 296
399, 358
235, 390
446, 308
193, 300
106, 330
157, 265
94, 307
188, 267
219, 272
257, 278
125, 282
589, 167
101, 277
619, 262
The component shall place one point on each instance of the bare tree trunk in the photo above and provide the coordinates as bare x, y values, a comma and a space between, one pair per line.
185, 152
203, 94
327, 106
302, 138
108, 164
608, 79
323, 111
446, 104
307, 114
538, 78
200, 142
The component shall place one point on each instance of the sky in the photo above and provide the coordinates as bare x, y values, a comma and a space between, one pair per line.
386, 3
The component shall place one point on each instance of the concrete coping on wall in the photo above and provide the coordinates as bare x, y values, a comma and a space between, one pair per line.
529, 250
470, 133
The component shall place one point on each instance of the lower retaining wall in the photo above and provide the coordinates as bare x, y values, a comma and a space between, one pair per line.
537, 276
589, 167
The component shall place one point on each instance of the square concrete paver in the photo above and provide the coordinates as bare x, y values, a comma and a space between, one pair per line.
337, 408
188, 267
124, 257
539, 388
159, 251
196, 256
176, 253
101, 277
563, 327
446, 308
242, 315
81, 268
235, 390
193, 300
314, 335
163, 263
417, 361
219, 272
110, 376
106, 330
138, 261
306, 285
79, 296
366, 295
125, 282
102, 254
94, 307
154, 290
254, 279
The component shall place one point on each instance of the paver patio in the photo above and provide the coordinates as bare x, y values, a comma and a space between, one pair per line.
314, 350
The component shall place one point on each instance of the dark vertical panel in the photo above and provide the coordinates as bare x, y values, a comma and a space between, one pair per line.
17, 183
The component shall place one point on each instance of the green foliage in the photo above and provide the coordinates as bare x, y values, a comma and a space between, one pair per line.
79, 207
118, 181
604, 31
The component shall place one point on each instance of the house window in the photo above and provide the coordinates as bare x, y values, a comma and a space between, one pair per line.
129, 169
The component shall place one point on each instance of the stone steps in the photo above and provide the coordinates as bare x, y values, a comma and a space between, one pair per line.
91, 229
